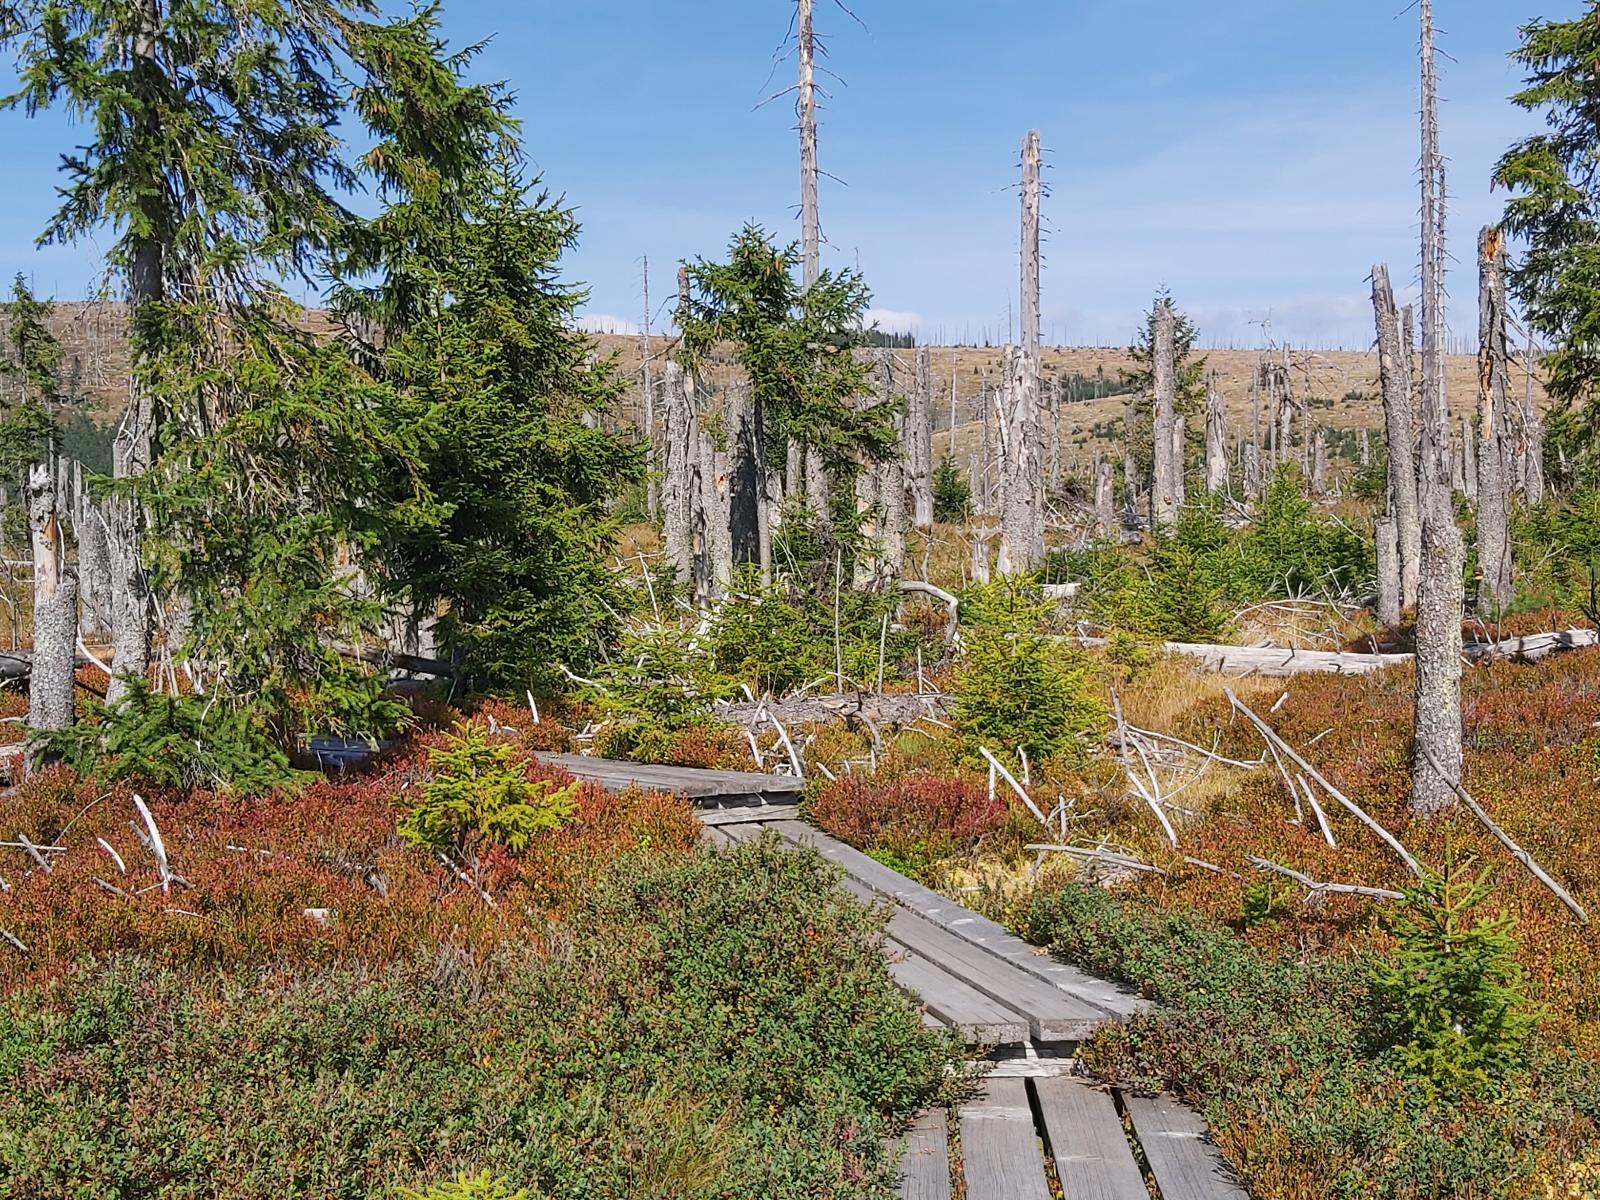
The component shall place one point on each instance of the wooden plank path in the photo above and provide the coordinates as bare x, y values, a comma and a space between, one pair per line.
1025, 1136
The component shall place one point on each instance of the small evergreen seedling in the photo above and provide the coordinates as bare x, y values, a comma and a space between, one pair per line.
480, 792
1454, 1010
952, 496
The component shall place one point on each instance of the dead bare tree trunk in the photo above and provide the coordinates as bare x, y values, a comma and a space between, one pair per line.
919, 442
1022, 474
716, 571
1319, 462
1216, 439
1394, 373
679, 487
1251, 470
55, 608
647, 419
1494, 420
1105, 502
1387, 542
1532, 436
1436, 761
1164, 484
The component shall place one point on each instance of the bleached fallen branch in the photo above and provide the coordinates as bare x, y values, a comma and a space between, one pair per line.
1317, 887
158, 848
1127, 769
23, 843
1099, 855
468, 880
952, 622
1517, 852
112, 851
783, 737
14, 940
1350, 805
1000, 767
1322, 819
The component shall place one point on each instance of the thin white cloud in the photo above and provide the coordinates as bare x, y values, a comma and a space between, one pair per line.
606, 323
891, 320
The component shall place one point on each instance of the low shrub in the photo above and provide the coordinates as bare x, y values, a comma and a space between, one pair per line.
1015, 686
912, 821
1282, 1055
480, 793
712, 1026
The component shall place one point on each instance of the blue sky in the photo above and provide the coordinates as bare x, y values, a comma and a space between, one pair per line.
1255, 156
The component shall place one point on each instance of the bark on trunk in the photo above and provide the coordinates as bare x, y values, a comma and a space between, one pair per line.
1319, 463
1164, 484
806, 104
55, 608
1394, 372
1387, 540
679, 485
919, 442
1437, 715
1251, 470
1105, 502
1532, 436
1022, 467
1216, 439
1494, 420
746, 484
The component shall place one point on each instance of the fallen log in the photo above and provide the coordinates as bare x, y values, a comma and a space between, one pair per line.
890, 708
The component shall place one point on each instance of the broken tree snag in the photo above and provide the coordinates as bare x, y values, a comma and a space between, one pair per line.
806, 110
1163, 486
746, 476
55, 608
1216, 439
1022, 467
1250, 470
679, 487
1394, 373
891, 487
1105, 503
1319, 462
1386, 538
715, 503
1532, 456
1180, 435
1436, 759
1494, 421
919, 443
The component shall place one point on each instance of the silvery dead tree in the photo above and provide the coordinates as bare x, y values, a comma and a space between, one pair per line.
1164, 480
647, 411
1319, 462
1494, 465
1364, 448
1468, 458
1250, 470
55, 606
1130, 463
1386, 542
1106, 521
681, 476
1436, 762
1394, 375
1216, 439
1532, 445
919, 442
1022, 474
880, 496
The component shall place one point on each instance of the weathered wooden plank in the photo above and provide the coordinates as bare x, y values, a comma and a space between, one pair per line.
1053, 1015
1085, 1136
715, 836
981, 1019
741, 833
687, 781
1185, 1164
926, 1166
1119, 1003
999, 1150
748, 813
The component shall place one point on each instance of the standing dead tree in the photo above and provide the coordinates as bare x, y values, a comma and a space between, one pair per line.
1216, 439
1436, 762
1164, 482
1494, 422
919, 442
1532, 449
1022, 475
55, 606
816, 473
1394, 374
681, 479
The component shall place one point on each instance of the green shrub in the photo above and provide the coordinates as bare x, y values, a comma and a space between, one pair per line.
1280, 1053
723, 1025
1452, 994
481, 792
1016, 686
952, 495
179, 742
481, 1186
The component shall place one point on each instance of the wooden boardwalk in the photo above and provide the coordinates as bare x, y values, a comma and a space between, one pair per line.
1033, 1131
